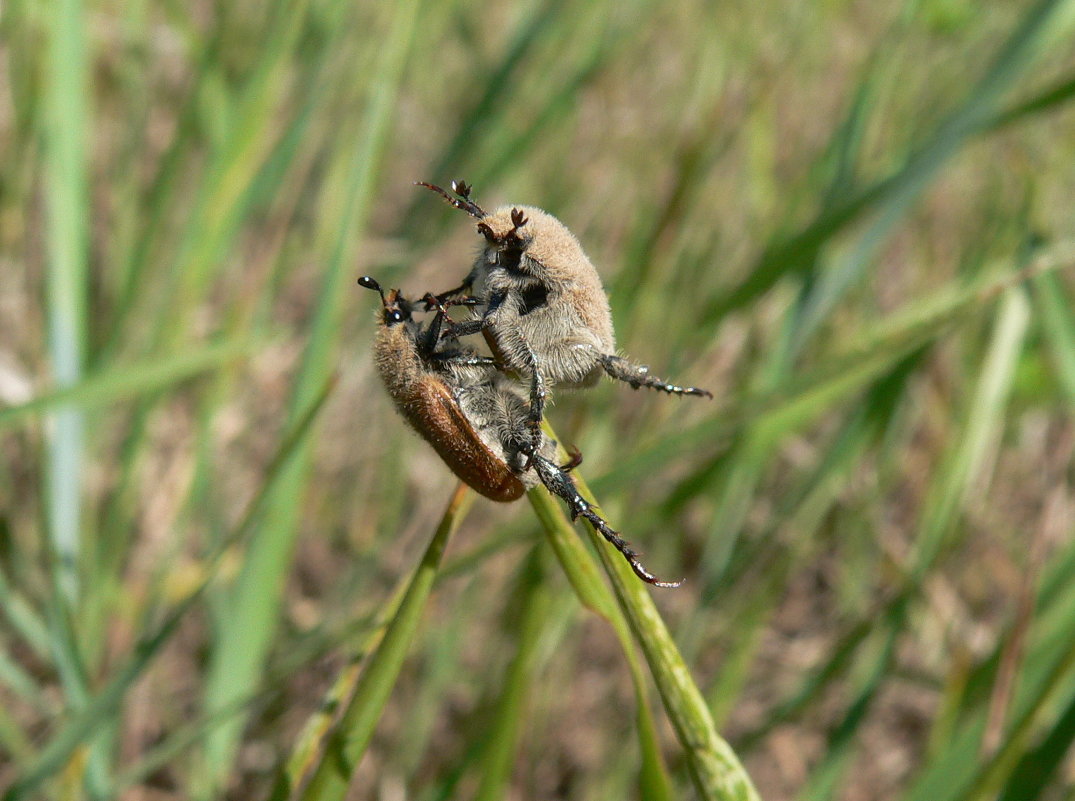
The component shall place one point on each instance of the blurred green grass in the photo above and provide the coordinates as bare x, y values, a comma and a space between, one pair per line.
852, 222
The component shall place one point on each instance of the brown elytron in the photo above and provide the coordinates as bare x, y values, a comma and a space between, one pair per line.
435, 415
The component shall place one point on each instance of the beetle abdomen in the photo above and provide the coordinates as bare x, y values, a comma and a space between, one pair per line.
434, 413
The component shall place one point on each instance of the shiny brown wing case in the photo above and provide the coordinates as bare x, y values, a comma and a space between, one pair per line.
434, 413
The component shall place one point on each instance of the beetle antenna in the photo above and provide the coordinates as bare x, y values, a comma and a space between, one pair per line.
512, 237
370, 283
462, 201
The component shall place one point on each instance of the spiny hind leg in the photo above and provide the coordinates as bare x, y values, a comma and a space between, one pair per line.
637, 375
559, 483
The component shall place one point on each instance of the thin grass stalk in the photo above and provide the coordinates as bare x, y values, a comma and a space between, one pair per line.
713, 766
1037, 767
593, 593
1058, 326
349, 739
502, 739
366, 631
65, 97
971, 458
123, 382
310, 744
66, 180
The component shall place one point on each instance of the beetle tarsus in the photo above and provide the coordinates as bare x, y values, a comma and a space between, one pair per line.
637, 375
559, 483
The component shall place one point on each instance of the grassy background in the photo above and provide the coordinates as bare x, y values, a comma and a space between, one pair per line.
849, 220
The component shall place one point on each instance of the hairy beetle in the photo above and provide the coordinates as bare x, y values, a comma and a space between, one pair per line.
546, 315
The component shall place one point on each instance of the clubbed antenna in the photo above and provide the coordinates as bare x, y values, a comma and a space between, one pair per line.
461, 200
369, 283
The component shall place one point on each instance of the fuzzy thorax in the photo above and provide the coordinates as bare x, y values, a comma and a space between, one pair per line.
555, 306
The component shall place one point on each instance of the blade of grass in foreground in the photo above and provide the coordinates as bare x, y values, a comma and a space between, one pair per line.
714, 767
347, 742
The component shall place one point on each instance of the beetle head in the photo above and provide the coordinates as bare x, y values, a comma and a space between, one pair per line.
507, 236
397, 309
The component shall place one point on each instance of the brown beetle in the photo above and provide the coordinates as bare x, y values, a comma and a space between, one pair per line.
415, 367
473, 415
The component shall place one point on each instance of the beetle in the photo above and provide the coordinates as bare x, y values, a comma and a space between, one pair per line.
473, 415
546, 314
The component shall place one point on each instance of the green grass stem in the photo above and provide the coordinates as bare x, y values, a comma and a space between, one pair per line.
346, 744
714, 767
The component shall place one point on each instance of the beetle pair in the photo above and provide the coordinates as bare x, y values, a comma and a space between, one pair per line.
546, 318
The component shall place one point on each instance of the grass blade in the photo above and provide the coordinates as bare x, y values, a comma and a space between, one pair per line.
713, 766
1058, 324
67, 195
123, 382
970, 458
347, 742
594, 594
1037, 766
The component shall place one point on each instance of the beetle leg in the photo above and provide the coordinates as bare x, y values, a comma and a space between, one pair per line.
538, 395
428, 340
463, 329
559, 483
448, 298
574, 461
637, 375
